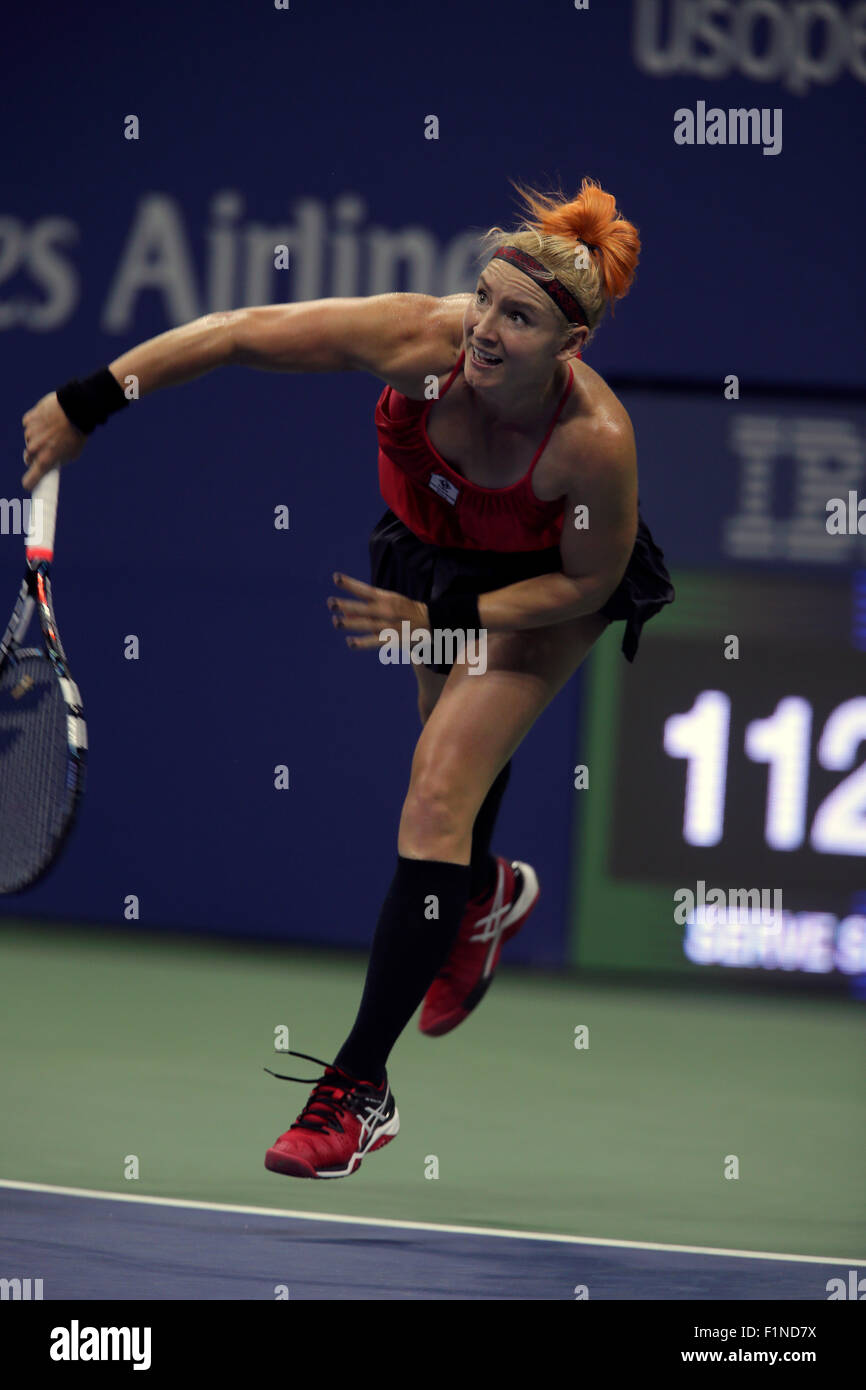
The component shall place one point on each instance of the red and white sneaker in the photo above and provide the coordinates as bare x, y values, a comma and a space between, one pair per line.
344, 1120
467, 974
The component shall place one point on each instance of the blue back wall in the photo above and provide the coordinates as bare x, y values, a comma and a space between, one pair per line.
306, 124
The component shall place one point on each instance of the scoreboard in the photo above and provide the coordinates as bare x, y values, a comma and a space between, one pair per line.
720, 824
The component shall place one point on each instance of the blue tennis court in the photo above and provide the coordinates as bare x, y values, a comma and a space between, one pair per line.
95, 1246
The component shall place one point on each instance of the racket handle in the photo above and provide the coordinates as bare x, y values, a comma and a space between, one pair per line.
39, 542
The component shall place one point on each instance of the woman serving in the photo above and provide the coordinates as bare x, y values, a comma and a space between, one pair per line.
509, 472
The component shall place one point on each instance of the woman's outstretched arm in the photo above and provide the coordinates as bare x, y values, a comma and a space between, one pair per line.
398, 337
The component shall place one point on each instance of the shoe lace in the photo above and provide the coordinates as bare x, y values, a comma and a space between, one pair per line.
331, 1097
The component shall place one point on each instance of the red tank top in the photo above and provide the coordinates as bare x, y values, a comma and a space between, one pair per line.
441, 506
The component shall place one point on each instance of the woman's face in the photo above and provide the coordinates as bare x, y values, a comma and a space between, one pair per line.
512, 319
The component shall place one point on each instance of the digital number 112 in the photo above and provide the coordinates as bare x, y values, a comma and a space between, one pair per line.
782, 741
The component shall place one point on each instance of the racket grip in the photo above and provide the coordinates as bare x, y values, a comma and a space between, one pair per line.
39, 542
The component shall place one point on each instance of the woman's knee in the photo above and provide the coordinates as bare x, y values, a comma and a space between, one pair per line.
437, 804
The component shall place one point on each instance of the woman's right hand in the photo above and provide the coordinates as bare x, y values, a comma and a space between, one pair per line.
50, 437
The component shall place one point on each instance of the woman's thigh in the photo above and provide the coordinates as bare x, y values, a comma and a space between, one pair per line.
479, 721
430, 687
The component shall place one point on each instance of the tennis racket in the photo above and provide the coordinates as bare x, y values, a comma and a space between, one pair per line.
43, 737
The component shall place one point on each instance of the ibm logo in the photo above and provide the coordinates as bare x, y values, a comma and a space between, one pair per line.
807, 461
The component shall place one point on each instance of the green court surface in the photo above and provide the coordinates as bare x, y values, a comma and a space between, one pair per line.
117, 1046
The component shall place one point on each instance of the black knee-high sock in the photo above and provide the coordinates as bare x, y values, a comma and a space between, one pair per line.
419, 920
483, 864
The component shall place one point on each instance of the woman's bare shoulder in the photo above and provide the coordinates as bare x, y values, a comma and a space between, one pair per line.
593, 407
436, 353
594, 424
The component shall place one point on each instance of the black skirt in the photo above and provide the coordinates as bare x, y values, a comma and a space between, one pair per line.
401, 562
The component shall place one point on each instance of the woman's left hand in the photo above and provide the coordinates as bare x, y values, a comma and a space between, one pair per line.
372, 610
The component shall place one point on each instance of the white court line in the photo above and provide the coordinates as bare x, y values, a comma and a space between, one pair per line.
423, 1225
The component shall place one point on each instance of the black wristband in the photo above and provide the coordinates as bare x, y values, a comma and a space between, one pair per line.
89, 403
456, 611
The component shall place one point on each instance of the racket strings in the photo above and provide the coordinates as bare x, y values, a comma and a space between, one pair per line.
38, 776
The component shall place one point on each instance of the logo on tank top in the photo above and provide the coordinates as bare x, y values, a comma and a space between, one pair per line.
444, 487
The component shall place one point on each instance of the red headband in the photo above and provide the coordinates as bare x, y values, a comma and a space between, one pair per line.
545, 280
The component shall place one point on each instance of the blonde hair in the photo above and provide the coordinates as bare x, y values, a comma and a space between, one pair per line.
553, 232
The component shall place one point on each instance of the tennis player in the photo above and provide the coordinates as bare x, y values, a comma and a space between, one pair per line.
512, 515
